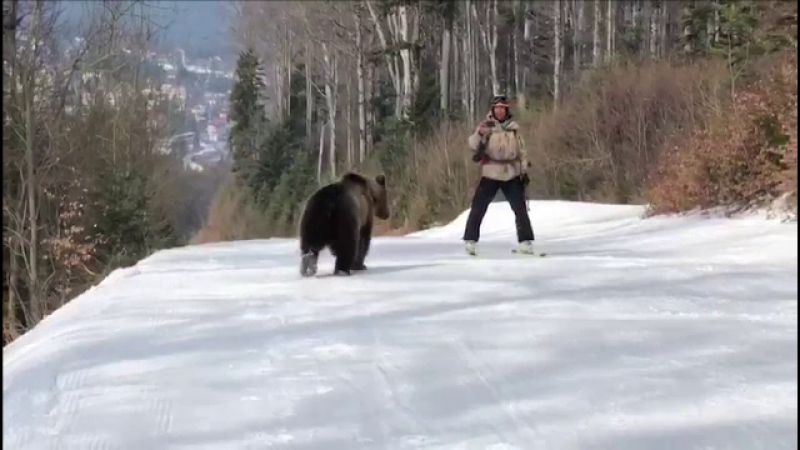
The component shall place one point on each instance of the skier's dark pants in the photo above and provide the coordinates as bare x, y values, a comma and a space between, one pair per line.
514, 192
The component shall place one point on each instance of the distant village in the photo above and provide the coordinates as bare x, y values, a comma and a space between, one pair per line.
197, 89
204, 96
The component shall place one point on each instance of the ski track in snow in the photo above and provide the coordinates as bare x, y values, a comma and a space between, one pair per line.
632, 334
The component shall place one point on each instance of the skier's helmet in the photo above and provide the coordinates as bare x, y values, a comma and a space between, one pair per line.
502, 101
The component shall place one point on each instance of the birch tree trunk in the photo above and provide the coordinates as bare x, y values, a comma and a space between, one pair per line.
470, 60
528, 30
404, 33
349, 122
597, 49
14, 244
474, 55
488, 32
369, 85
414, 51
647, 20
461, 62
558, 32
611, 29
392, 63
287, 67
281, 70
362, 108
655, 19
716, 21
334, 113
278, 88
712, 28
577, 41
687, 32
330, 100
519, 88
31, 185
638, 24
321, 154
444, 67
663, 25
528, 33
309, 95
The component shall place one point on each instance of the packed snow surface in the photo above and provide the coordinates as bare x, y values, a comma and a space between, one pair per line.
666, 333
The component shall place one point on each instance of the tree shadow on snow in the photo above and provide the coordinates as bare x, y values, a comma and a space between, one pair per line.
447, 370
579, 387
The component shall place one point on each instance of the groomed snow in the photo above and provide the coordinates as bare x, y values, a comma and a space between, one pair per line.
669, 333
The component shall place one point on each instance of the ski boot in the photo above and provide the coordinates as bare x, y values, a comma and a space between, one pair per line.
525, 248
469, 247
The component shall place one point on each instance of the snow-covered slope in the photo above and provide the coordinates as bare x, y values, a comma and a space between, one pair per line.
655, 334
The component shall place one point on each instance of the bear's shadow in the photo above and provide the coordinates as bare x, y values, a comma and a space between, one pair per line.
379, 270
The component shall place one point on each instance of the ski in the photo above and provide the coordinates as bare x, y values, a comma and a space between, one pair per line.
515, 252
534, 254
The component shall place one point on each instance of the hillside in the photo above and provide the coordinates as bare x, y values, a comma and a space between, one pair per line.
632, 334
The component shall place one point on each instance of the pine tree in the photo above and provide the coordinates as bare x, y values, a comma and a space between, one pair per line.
246, 113
723, 28
279, 149
737, 26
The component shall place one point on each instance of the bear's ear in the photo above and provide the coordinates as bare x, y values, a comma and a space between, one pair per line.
381, 180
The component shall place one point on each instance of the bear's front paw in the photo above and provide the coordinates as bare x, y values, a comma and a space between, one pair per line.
359, 267
341, 273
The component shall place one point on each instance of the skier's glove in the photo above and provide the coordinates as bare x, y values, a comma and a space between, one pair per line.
526, 180
479, 155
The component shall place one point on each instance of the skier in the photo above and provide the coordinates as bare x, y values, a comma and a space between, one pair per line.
499, 149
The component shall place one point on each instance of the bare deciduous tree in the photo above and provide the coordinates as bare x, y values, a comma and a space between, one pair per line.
73, 114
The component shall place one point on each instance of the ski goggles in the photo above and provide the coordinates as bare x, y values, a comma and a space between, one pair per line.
500, 100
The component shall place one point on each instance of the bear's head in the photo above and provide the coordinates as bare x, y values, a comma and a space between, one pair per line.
380, 199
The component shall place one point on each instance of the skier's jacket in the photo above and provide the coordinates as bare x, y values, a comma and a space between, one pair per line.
503, 150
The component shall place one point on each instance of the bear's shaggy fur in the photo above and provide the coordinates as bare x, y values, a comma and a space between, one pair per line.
339, 216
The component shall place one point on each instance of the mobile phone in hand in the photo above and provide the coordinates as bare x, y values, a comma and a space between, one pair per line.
489, 123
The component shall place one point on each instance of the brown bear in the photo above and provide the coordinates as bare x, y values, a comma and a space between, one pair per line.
339, 216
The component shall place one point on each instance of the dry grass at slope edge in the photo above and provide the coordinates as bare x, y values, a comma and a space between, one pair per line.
232, 216
601, 144
744, 156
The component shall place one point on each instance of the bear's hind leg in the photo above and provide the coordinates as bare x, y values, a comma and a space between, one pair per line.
364, 238
308, 264
345, 248
345, 245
